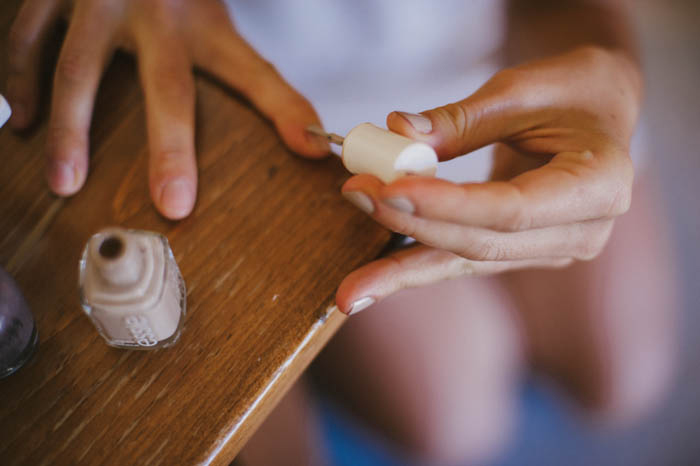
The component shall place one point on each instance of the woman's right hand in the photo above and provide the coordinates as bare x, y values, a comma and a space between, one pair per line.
168, 37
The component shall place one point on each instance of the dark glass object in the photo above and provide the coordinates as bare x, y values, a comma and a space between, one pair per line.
18, 335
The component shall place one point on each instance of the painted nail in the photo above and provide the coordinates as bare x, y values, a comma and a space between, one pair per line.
61, 176
360, 305
360, 200
420, 123
5, 111
313, 135
401, 204
177, 198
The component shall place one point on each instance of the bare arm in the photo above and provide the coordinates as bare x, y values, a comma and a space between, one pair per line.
540, 28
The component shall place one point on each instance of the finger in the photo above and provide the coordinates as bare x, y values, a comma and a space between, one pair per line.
583, 240
168, 84
26, 39
228, 56
493, 113
415, 267
84, 55
573, 187
515, 105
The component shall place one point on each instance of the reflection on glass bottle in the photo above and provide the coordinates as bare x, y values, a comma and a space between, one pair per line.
132, 289
18, 334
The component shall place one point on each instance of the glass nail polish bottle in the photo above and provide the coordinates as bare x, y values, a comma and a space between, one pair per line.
132, 289
18, 334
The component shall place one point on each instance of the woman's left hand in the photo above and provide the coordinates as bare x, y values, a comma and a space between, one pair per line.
561, 174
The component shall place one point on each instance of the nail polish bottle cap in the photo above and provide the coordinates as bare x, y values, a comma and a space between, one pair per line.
387, 155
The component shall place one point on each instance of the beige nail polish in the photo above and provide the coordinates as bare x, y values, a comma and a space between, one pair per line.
420, 123
360, 200
401, 204
132, 289
361, 304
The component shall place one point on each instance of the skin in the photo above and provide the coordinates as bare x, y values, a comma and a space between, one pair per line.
571, 114
169, 38
561, 114
562, 176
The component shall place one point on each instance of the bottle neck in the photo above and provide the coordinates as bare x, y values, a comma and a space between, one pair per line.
116, 256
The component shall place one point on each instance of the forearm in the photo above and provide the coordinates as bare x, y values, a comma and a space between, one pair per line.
540, 28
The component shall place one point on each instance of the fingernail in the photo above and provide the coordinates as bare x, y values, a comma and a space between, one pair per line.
61, 176
360, 305
420, 123
177, 198
315, 134
5, 111
401, 204
360, 200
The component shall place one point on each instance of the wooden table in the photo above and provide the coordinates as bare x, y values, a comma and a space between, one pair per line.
262, 254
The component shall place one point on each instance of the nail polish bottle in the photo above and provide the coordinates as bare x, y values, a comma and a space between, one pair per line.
132, 289
18, 335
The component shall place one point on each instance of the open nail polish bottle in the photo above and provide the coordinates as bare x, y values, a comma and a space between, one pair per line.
132, 289
18, 335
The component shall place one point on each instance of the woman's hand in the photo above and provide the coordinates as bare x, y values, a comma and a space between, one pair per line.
168, 37
561, 174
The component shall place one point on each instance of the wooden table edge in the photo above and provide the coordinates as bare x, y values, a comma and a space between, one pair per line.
226, 448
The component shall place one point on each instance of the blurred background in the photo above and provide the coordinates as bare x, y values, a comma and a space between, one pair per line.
549, 432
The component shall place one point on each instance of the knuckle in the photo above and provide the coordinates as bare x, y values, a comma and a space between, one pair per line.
594, 55
168, 162
456, 117
263, 78
173, 82
591, 245
18, 44
510, 82
587, 251
516, 219
70, 68
486, 249
621, 200
405, 228
513, 215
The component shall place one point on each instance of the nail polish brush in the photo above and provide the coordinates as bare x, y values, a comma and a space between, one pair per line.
382, 153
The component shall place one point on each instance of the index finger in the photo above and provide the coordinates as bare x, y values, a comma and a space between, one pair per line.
572, 187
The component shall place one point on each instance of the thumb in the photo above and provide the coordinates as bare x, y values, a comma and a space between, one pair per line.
418, 266
491, 114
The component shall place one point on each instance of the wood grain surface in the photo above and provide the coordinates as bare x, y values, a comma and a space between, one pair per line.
262, 254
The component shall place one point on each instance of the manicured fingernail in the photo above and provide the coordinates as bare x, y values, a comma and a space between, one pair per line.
401, 204
177, 198
5, 111
316, 135
360, 200
61, 176
360, 305
420, 123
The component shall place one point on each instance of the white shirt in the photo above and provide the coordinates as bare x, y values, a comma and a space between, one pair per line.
358, 60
